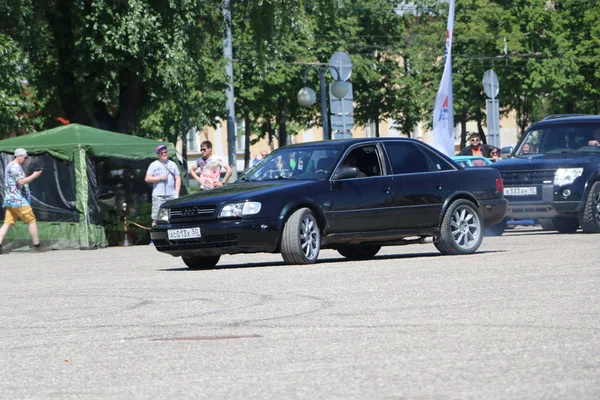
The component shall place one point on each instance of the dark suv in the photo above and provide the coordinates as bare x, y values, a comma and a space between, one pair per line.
553, 175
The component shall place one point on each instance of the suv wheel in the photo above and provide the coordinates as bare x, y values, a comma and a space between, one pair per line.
461, 231
590, 218
565, 224
496, 229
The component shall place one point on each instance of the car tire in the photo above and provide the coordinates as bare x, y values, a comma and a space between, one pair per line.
546, 224
301, 238
565, 224
201, 262
359, 252
496, 229
590, 218
461, 231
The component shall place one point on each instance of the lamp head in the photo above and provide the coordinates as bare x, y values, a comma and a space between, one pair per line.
307, 97
339, 89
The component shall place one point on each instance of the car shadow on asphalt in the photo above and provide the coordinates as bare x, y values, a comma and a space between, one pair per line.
328, 260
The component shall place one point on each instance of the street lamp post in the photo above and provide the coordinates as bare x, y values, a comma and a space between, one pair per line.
307, 96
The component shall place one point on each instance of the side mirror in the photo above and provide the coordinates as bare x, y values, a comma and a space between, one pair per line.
506, 151
346, 172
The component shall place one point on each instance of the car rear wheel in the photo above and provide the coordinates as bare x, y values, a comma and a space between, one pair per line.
565, 224
301, 239
201, 262
461, 231
590, 218
359, 252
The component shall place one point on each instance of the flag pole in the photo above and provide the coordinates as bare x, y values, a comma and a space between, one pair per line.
443, 111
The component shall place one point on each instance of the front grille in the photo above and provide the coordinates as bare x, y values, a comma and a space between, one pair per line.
207, 242
525, 178
192, 213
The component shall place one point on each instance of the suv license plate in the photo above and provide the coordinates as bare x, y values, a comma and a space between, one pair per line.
520, 191
187, 233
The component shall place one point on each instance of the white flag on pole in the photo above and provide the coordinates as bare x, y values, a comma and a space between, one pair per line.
443, 111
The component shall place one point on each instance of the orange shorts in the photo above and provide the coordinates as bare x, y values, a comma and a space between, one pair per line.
24, 213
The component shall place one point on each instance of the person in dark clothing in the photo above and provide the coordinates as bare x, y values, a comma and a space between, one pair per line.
476, 148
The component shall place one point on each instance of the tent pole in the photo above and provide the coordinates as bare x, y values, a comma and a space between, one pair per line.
82, 193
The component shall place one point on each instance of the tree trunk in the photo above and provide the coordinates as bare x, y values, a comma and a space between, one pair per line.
281, 119
247, 132
376, 127
481, 131
131, 98
463, 130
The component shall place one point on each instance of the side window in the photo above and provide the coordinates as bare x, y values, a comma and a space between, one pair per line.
366, 159
406, 158
436, 162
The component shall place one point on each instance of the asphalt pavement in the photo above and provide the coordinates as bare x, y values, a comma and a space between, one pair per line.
517, 320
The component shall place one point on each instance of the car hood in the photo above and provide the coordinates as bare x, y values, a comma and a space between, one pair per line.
546, 161
239, 191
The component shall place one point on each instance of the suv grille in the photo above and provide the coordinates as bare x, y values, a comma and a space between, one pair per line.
192, 213
524, 178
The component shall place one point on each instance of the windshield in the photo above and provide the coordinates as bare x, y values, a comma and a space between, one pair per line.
310, 163
560, 139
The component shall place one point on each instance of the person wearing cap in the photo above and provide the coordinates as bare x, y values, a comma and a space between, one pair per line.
17, 199
210, 166
164, 177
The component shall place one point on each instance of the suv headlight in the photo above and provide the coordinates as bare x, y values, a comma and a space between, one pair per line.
565, 176
236, 210
163, 214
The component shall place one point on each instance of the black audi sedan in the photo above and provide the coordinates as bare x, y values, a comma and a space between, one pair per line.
353, 195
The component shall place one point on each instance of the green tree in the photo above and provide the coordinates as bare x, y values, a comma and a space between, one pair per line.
110, 64
18, 112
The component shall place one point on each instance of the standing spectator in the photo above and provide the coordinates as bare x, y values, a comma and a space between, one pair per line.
262, 155
164, 177
210, 168
476, 148
17, 199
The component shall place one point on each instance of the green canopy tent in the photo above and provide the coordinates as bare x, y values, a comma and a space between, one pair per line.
87, 173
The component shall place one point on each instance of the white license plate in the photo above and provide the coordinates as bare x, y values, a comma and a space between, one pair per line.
520, 191
187, 233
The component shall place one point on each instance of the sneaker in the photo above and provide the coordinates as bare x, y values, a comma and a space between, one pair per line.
40, 249
151, 243
2, 251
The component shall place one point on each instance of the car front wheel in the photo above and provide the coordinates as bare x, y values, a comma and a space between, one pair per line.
301, 239
201, 262
461, 231
359, 252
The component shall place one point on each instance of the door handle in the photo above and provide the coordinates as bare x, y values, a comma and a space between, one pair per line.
387, 190
438, 186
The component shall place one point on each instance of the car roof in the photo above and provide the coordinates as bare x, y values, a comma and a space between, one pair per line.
351, 141
567, 118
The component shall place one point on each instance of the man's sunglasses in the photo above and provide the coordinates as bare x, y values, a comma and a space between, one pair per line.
163, 152
203, 149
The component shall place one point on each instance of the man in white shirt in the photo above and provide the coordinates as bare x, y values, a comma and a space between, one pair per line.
164, 177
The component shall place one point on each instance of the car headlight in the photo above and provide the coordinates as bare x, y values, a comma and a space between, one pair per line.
236, 210
163, 214
565, 176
